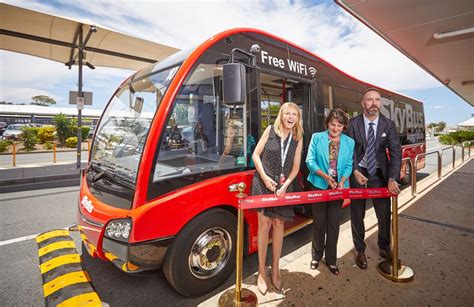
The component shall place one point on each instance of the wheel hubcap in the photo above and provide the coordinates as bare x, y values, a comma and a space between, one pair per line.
210, 253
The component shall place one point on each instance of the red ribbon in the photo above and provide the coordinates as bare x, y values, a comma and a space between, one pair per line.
299, 198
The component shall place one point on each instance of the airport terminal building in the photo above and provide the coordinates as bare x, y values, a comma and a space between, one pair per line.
34, 114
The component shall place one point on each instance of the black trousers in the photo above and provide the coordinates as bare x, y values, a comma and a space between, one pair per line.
326, 220
382, 211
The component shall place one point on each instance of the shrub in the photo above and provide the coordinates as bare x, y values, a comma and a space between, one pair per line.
62, 124
85, 132
48, 145
456, 137
3, 146
71, 141
46, 134
29, 139
35, 130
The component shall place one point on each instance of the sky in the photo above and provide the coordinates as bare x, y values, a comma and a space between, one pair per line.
321, 27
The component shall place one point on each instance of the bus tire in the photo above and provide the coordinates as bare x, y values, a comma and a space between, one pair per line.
202, 255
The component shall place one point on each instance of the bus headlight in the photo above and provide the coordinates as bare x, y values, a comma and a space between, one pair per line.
119, 229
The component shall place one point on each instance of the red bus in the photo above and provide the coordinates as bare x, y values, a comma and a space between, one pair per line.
177, 137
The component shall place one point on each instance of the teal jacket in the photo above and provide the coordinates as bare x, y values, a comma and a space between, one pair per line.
318, 158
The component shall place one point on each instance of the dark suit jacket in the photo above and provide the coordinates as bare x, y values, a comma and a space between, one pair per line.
387, 137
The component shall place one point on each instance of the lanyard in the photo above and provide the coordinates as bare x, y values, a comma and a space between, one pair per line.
284, 152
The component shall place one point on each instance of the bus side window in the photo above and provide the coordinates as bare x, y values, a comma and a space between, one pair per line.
203, 134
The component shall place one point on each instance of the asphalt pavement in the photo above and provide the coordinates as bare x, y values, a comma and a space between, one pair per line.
28, 213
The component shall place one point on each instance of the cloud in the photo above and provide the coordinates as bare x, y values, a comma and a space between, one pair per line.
437, 107
321, 28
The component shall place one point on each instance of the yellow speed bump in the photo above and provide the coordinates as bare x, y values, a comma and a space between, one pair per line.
64, 281
87, 299
55, 246
59, 261
52, 234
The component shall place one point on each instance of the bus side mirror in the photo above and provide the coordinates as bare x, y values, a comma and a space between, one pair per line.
234, 84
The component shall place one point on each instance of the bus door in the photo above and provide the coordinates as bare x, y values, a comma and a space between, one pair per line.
275, 90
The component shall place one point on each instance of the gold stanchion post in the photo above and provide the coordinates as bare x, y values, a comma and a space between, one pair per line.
239, 296
402, 273
14, 153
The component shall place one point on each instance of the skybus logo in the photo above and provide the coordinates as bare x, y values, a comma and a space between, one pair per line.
291, 65
87, 204
402, 114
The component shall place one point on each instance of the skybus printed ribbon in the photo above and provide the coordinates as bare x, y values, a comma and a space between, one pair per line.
299, 198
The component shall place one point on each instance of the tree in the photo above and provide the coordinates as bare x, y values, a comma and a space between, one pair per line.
62, 124
432, 125
43, 100
441, 126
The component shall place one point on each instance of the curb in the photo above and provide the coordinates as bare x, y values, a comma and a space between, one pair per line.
36, 183
42, 177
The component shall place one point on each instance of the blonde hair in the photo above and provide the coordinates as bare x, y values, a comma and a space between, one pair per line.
297, 130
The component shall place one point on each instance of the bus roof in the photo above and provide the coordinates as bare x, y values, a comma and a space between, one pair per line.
211, 41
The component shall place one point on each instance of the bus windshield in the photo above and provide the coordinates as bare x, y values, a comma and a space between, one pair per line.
124, 126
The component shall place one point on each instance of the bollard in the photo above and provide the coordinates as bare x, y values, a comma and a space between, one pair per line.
54, 152
414, 169
402, 273
440, 161
14, 154
454, 155
239, 296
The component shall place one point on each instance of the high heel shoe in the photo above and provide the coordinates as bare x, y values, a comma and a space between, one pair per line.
333, 268
279, 289
262, 289
314, 264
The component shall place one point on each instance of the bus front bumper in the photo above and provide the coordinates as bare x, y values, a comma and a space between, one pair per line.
137, 257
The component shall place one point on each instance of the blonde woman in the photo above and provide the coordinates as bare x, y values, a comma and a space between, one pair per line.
277, 159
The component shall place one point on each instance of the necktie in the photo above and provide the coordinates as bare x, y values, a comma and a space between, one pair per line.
371, 168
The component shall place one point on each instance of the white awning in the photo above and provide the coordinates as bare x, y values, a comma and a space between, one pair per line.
438, 35
56, 38
467, 123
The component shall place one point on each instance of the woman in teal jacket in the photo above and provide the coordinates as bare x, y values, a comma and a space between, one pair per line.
329, 161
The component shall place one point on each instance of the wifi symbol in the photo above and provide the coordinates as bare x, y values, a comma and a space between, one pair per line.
312, 71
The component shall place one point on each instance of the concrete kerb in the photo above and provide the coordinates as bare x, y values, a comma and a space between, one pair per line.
39, 177
298, 260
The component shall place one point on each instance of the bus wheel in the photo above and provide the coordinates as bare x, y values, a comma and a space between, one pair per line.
407, 178
202, 255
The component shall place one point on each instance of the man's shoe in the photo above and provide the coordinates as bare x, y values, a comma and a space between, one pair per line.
361, 260
386, 254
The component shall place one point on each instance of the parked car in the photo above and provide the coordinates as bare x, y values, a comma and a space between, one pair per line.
13, 132
91, 131
3, 125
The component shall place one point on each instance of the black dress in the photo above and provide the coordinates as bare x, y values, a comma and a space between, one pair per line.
271, 161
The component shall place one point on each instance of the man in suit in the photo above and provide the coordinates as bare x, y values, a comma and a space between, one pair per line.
373, 133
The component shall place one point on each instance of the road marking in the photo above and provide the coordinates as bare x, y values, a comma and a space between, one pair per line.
25, 238
16, 240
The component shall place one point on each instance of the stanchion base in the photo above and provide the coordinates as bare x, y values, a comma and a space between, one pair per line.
405, 273
247, 298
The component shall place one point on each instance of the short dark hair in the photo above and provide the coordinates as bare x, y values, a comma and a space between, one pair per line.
338, 114
369, 90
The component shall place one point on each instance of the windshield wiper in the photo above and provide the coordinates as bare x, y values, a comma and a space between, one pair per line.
112, 171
